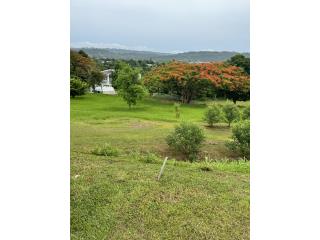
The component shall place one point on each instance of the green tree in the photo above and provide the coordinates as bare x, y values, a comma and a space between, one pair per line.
213, 114
77, 87
96, 78
118, 66
231, 113
129, 85
240, 60
187, 139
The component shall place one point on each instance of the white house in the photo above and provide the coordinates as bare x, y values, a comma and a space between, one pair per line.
106, 85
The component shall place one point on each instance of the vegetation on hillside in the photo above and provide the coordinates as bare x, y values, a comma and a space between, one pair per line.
116, 153
111, 63
194, 56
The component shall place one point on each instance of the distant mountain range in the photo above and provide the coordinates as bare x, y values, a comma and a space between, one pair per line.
196, 56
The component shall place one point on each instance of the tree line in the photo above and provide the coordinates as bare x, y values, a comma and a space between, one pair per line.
194, 81
189, 81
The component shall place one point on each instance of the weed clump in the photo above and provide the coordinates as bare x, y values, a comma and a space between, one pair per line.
146, 157
105, 150
149, 157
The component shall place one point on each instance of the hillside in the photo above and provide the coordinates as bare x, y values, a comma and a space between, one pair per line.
196, 56
118, 196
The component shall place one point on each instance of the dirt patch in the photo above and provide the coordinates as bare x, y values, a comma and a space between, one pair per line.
140, 124
212, 143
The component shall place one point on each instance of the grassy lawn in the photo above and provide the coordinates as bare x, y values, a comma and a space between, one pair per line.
120, 198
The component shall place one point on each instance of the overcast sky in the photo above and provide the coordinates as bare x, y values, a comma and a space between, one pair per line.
161, 25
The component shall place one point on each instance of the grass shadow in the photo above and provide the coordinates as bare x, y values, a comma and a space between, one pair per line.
123, 109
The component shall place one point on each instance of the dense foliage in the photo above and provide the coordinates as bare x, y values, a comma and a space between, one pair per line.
187, 139
192, 81
110, 63
129, 85
241, 138
85, 68
242, 61
77, 87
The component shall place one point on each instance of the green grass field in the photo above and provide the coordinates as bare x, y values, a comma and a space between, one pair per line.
119, 197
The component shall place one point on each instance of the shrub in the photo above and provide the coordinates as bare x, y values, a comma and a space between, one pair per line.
77, 87
246, 113
231, 113
241, 138
106, 150
187, 139
213, 115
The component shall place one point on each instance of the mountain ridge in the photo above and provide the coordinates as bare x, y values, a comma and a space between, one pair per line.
189, 56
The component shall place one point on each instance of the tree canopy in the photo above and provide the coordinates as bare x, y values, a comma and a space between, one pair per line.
85, 68
190, 81
129, 84
242, 61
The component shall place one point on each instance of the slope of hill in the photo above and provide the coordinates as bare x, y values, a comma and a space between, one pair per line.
196, 56
205, 56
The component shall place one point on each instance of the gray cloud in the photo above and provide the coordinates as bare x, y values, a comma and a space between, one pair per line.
162, 25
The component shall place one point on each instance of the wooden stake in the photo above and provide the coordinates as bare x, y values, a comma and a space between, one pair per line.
162, 168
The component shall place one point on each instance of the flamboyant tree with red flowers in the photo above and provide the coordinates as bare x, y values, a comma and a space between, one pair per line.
191, 80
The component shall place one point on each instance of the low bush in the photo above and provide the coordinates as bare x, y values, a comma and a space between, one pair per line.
186, 139
241, 138
213, 115
77, 87
106, 150
231, 113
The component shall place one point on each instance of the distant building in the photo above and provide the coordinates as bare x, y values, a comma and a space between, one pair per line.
106, 85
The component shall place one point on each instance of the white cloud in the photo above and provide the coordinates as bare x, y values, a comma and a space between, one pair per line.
109, 45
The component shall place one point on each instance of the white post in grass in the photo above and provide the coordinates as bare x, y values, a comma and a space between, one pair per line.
162, 168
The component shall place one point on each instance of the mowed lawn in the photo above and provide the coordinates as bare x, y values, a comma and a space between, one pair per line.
120, 197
